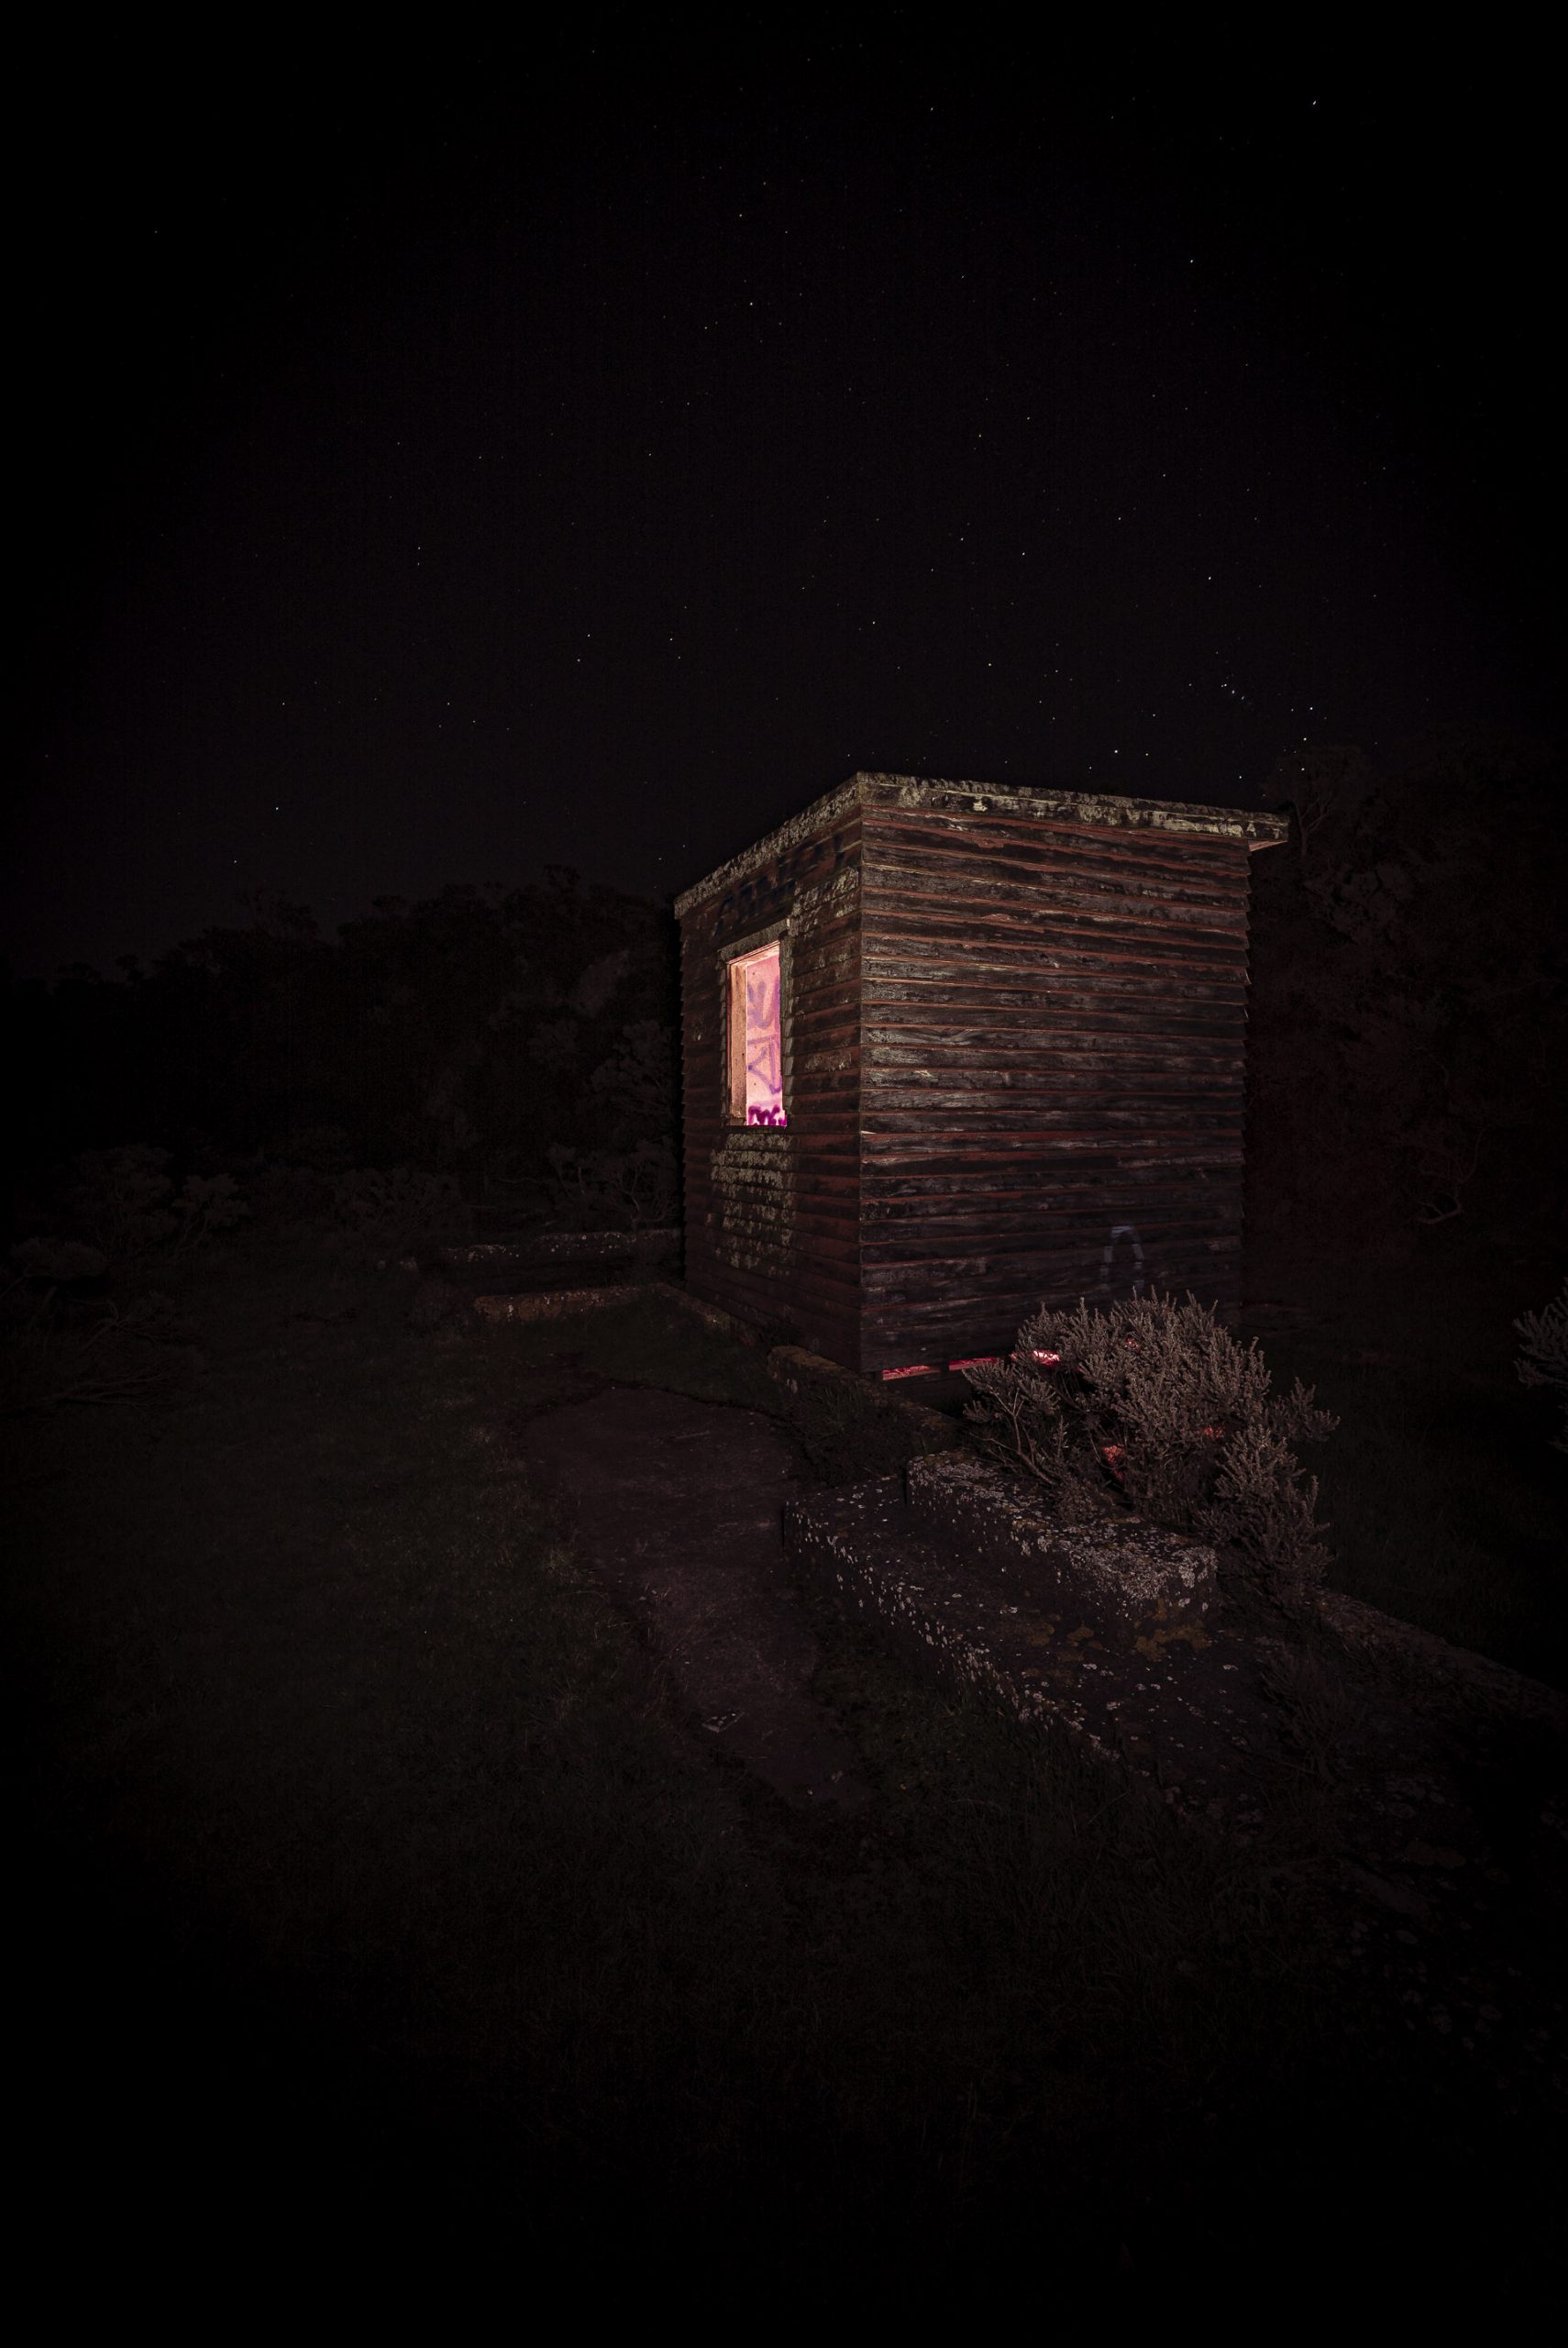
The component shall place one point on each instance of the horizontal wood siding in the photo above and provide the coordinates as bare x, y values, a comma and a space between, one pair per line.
1052, 1035
772, 1216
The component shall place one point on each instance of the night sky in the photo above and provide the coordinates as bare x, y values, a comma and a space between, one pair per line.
593, 458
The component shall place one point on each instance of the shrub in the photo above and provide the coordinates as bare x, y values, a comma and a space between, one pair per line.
1153, 1407
207, 1203
395, 1211
638, 1082
324, 1149
120, 1199
125, 1202
58, 1261
1543, 1353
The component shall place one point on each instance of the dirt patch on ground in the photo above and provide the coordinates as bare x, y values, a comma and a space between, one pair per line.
677, 1505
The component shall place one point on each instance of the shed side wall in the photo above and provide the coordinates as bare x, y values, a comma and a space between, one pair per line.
1052, 1038
772, 1216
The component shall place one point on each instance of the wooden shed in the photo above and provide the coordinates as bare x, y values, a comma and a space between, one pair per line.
952, 1050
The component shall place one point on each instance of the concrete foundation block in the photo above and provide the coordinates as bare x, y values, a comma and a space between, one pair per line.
799, 1374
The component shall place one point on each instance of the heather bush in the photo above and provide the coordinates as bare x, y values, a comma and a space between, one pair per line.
1152, 1407
1543, 1352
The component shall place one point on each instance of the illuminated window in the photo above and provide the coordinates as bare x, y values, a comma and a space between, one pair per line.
757, 1039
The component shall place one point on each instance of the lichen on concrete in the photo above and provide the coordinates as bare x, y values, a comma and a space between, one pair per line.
1180, 1708
1125, 1575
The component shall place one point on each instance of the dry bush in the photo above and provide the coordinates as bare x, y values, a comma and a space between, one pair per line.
1543, 1353
47, 1359
633, 1190
638, 1082
1153, 1407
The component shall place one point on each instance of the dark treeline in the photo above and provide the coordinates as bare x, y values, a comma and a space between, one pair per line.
1409, 1021
469, 1034
1409, 1008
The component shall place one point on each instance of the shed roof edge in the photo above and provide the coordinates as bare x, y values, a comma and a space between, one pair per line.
866, 789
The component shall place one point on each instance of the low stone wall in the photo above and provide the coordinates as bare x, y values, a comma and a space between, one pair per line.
1432, 1671
549, 1303
542, 1303
539, 1256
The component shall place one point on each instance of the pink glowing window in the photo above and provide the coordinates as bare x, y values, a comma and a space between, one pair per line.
756, 1040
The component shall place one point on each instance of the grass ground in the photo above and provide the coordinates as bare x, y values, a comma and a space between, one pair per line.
370, 1880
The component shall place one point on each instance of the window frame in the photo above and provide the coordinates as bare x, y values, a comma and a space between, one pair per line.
733, 1042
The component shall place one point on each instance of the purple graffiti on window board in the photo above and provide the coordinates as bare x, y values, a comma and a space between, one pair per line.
764, 1043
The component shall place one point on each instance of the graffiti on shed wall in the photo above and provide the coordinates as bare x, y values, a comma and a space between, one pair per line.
751, 1220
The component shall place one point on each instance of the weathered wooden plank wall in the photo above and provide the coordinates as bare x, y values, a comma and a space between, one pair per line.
772, 1216
1051, 1043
